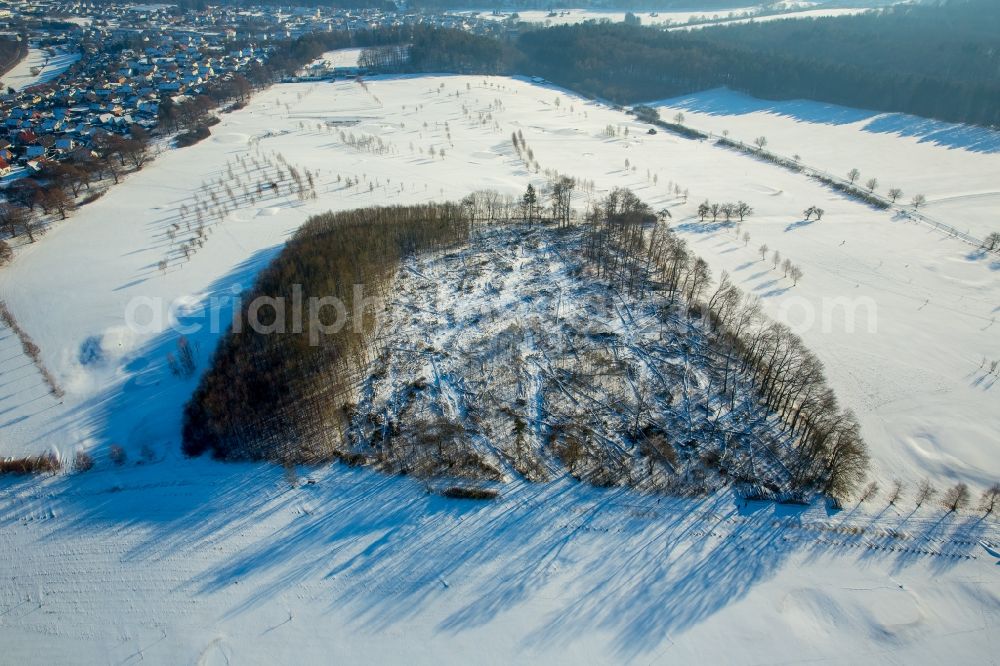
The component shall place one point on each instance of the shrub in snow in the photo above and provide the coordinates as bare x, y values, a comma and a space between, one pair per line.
82, 462
461, 492
117, 454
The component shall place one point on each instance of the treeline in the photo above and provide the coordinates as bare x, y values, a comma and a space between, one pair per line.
954, 39
202, 5
428, 49
626, 246
634, 64
508, 5
457, 51
55, 189
948, 71
283, 379
12, 51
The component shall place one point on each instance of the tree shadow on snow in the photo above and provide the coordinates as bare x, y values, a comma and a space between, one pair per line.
798, 225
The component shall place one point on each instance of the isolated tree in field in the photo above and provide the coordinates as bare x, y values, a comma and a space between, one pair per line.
991, 496
956, 498
895, 491
715, 209
746, 238
796, 274
925, 491
703, 210
992, 241
775, 259
894, 194
808, 212
918, 201
819, 213
853, 175
679, 118
760, 142
786, 265
872, 184
763, 251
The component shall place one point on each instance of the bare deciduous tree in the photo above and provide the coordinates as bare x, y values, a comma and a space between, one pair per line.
991, 496
796, 274
956, 498
925, 492
869, 493
896, 491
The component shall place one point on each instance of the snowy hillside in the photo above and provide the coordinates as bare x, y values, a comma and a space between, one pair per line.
913, 375
177, 561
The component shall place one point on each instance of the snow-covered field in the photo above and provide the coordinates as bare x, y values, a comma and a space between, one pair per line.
574, 16
49, 65
914, 382
341, 57
173, 560
795, 14
179, 562
701, 18
954, 166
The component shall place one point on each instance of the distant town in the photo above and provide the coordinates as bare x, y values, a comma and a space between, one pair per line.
89, 70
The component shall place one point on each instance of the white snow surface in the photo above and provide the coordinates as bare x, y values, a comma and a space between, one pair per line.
954, 166
342, 57
178, 561
678, 19
50, 65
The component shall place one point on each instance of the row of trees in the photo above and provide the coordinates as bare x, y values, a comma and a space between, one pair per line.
553, 203
628, 244
54, 190
740, 210
955, 498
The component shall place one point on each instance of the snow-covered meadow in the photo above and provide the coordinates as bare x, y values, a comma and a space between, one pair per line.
954, 166
924, 304
39, 66
679, 19
173, 560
